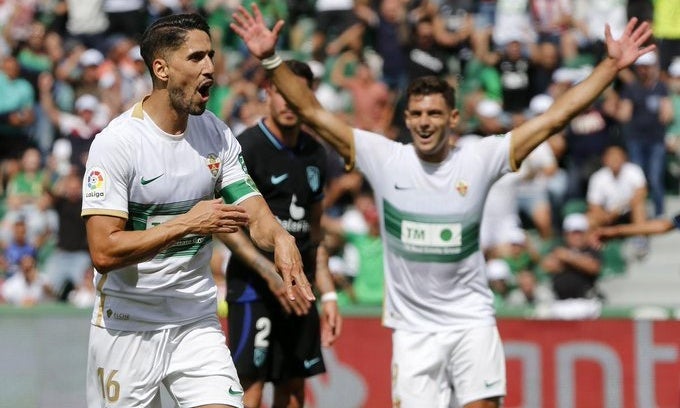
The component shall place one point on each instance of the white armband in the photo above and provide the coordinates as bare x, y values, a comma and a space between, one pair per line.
272, 62
329, 296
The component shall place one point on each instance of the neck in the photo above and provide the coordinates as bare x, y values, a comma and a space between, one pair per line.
287, 136
164, 115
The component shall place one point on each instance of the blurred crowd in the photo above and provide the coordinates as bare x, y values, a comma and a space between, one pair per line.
70, 66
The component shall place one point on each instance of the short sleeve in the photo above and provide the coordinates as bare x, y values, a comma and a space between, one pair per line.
235, 184
105, 183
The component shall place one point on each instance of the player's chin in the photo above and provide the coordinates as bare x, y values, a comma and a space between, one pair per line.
197, 108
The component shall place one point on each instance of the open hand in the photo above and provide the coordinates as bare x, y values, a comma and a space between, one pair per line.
331, 323
288, 261
628, 48
214, 216
260, 40
300, 306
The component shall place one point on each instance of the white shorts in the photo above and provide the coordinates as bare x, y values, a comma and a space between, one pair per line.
126, 369
427, 368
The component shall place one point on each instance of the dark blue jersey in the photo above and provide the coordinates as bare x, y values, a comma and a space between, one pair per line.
291, 181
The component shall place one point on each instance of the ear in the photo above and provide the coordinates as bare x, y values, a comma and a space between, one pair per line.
160, 69
455, 117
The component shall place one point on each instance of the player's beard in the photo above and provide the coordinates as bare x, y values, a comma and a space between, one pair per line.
181, 103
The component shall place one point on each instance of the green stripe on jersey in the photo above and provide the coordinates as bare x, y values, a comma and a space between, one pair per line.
234, 191
429, 237
139, 213
145, 216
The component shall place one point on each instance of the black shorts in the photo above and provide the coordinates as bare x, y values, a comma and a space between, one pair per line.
268, 345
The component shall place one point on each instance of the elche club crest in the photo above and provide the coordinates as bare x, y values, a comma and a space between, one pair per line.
214, 164
462, 187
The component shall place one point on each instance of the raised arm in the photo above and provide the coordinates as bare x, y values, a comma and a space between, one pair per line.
261, 42
620, 54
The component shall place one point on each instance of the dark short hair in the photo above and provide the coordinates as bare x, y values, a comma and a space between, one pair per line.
431, 85
169, 33
302, 70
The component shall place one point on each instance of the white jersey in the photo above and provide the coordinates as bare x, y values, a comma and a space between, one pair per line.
430, 216
138, 172
615, 192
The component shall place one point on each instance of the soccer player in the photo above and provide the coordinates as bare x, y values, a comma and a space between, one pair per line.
272, 339
149, 202
430, 197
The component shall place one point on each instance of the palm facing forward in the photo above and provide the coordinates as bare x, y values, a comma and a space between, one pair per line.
628, 48
260, 40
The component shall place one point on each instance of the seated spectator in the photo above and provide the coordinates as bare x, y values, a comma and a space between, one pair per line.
83, 294
18, 246
532, 189
26, 198
574, 266
80, 128
27, 287
587, 135
542, 184
16, 108
27, 186
360, 229
499, 217
520, 254
67, 265
529, 292
500, 280
343, 275
371, 102
337, 27
617, 192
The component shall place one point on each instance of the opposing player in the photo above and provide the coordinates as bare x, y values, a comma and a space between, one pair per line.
149, 202
430, 197
272, 339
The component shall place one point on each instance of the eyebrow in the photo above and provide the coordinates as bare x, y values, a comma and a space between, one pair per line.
197, 54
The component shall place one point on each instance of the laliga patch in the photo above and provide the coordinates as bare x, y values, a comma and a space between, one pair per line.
95, 184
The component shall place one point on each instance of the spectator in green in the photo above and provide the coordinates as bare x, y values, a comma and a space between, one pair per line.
363, 252
16, 108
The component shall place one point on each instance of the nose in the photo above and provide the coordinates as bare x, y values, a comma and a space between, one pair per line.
424, 121
209, 66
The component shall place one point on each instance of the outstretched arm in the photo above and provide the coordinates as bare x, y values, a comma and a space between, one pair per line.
261, 42
620, 54
649, 227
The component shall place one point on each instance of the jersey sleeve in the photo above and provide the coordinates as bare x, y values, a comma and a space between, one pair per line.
107, 175
494, 151
235, 184
371, 151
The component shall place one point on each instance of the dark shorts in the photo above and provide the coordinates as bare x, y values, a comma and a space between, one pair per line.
268, 345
